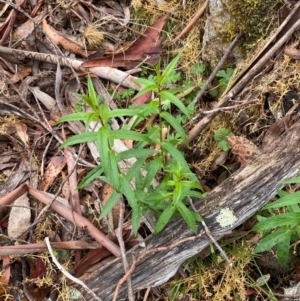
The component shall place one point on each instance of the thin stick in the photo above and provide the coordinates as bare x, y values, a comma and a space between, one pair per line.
198, 14
222, 252
34, 248
123, 251
207, 231
201, 112
124, 278
79, 220
147, 293
217, 68
67, 274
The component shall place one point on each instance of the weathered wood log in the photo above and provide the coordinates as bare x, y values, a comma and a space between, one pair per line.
245, 192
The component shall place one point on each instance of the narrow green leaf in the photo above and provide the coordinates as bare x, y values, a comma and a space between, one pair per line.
286, 219
191, 184
139, 180
89, 120
135, 153
113, 174
103, 147
260, 218
146, 89
196, 194
103, 111
152, 168
169, 69
197, 217
166, 95
298, 230
283, 248
177, 194
145, 82
287, 200
77, 116
290, 181
135, 168
91, 176
271, 240
164, 218
149, 108
158, 196
92, 93
123, 112
282, 193
176, 125
86, 99
136, 220
80, 138
176, 154
127, 190
187, 215
113, 199
128, 134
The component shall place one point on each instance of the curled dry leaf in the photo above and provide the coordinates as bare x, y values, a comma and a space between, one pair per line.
21, 129
67, 44
27, 28
55, 166
48, 101
147, 45
245, 150
21, 74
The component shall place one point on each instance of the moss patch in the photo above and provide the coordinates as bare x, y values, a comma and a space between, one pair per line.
256, 18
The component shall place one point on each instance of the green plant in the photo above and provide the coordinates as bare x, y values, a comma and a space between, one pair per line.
220, 136
196, 69
224, 78
125, 94
280, 229
156, 155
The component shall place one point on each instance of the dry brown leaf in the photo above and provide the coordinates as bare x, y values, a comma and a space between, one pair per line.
21, 74
66, 192
8, 25
67, 44
21, 129
113, 216
27, 28
16, 176
245, 150
19, 218
48, 101
146, 45
5, 274
55, 166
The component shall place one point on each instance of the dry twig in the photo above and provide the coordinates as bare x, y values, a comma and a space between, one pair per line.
195, 18
67, 274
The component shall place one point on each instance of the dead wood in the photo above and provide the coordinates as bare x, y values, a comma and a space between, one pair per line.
245, 192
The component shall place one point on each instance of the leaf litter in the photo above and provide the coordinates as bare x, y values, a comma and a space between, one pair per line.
106, 35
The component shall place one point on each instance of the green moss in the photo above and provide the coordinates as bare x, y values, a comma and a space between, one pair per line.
253, 17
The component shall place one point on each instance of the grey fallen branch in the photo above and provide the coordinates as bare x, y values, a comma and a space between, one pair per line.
112, 74
244, 193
